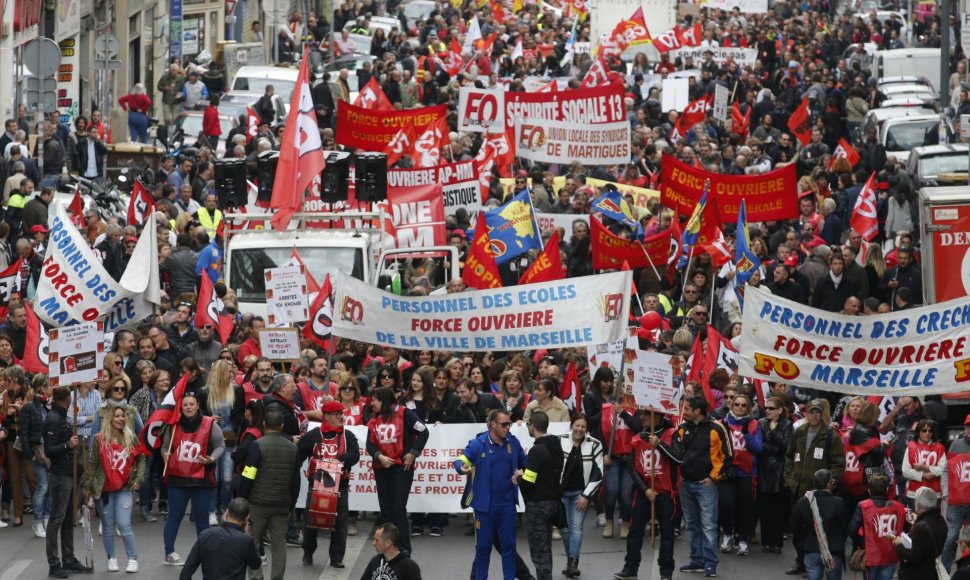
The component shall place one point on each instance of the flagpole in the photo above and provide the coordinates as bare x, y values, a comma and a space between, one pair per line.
535, 222
653, 504
77, 402
690, 257
650, 260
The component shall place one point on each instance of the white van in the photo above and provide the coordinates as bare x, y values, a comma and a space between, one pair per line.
909, 62
250, 83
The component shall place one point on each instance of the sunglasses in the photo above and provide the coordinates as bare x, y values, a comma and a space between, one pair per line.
700, 314
690, 291
385, 377
226, 358
927, 430
505, 424
771, 408
346, 388
118, 389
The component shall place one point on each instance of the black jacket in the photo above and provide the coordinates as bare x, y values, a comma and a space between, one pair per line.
963, 568
543, 470
181, 265
832, 511
928, 535
57, 435
831, 299
701, 450
224, 552
81, 150
32, 417
265, 109
478, 411
113, 257
771, 459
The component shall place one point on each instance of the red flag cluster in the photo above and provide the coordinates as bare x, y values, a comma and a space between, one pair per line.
679, 38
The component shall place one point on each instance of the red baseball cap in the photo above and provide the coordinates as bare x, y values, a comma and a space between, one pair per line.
332, 407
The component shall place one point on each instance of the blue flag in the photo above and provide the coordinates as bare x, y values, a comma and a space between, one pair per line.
745, 260
612, 205
693, 227
512, 228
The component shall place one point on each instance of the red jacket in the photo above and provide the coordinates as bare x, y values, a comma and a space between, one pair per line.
210, 122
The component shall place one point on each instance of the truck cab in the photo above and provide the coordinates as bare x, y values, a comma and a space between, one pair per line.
355, 248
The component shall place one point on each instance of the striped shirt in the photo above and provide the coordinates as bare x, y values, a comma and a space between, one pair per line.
87, 412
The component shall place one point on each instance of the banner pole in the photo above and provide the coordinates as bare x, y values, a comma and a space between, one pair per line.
77, 402
650, 260
653, 504
535, 222
690, 258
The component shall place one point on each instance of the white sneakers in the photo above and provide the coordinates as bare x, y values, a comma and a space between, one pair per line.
112, 564
174, 559
601, 520
132, 566
213, 520
742, 548
39, 530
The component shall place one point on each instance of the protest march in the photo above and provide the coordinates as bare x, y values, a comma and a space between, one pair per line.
693, 277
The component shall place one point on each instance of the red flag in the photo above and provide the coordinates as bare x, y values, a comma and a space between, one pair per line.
800, 123
427, 147
320, 327
10, 281
740, 124
252, 124
311, 284
676, 248
210, 311
301, 152
844, 150
167, 413
865, 220
498, 11
550, 87
401, 144
597, 74
454, 60
695, 112
696, 371
631, 31
480, 270
548, 264
76, 209
372, 97
678, 38
717, 247
609, 251
484, 162
570, 391
504, 153
140, 205
35, 347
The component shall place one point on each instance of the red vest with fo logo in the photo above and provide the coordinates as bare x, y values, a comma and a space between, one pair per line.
877, 523
116, 462
355, 414
328, 450
313, 397
622, 440
958, 473
647, 460
852, 478
389, 436
920, 454
187, 448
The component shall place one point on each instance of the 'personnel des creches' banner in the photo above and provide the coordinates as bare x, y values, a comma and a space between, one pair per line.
921, 351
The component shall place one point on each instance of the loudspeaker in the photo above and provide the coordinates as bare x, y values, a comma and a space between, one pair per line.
230, 183
371, 177
333, 186
265, 175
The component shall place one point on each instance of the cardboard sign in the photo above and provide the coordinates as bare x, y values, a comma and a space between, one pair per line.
675, 93
481, 110
280, 344
286, 295
721, 95
650, 377
76, 354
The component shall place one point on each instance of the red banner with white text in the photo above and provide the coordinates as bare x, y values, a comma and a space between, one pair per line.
372, 130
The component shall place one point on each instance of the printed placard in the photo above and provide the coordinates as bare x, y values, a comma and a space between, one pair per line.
481, 110
280, 344
650, 377
76, 354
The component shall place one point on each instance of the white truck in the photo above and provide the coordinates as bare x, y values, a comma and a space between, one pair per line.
348, 242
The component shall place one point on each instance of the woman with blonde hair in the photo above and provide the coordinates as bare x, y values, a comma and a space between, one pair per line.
113, 367
114, 472
116, 395
225, 402
512, 394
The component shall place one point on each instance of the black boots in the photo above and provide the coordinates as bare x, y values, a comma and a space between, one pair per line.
572, 568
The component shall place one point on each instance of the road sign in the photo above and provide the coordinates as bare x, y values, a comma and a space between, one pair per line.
108, 64
42, 57
230, 7
106, 45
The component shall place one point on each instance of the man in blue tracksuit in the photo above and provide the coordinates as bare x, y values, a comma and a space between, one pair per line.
495, 461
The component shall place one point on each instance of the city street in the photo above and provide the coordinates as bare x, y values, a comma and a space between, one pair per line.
22, 556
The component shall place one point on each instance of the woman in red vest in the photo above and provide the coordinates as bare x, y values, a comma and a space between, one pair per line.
192, 449
924, 462
114, 473
874, 522
864, 451
348, 395
395, 439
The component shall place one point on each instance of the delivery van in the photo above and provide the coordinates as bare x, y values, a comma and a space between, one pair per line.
909, 62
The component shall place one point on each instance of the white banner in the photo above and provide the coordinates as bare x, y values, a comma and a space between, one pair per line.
76, 354
920, 351
286, 295
746, 6
280, 343
563, 142
547, 221
481, 110
437, 487
742, 56
459, 184
74, 287
573, 312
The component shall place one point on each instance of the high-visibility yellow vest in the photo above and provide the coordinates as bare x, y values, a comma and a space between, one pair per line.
207, 221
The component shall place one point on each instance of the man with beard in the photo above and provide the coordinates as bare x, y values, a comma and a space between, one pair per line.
146, 351
262, 383
205, 350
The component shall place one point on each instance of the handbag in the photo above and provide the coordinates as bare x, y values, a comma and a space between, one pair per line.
18, 445
857, 561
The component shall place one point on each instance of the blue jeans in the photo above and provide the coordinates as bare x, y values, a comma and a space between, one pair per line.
619, 489
117, 512
51, 180
816, 570
153, 481
222, 494
700, 515
138, 126
178, 500
41, 500
572, 535
955, 516
880, 572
